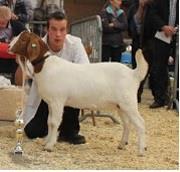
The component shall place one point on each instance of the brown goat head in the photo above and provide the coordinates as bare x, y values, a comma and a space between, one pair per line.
28, 45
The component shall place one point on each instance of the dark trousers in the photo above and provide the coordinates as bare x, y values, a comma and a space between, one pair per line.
8, 66
111, 52
159, 71
38, 127
135, 46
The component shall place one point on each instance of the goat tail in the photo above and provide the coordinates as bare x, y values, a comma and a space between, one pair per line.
142, 65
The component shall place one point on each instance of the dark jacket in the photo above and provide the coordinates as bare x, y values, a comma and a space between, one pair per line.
132, 31
113, 35
146, 30
20, 11
159, 14
17, 27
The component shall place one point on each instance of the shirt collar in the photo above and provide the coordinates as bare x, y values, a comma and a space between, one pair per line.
45, 39
110, 10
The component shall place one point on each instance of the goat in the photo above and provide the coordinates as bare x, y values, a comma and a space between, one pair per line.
94, 86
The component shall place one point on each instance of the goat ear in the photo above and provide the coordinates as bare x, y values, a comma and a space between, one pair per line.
43, 46
33, 49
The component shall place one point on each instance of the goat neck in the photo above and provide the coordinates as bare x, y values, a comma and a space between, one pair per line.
39, 62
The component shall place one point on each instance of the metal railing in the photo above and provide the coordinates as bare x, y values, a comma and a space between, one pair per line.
38, 27
90, 31
174, 102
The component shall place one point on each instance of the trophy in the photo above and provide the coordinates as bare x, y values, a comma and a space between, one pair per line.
19, 123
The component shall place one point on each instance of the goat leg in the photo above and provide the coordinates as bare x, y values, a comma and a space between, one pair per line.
53, 124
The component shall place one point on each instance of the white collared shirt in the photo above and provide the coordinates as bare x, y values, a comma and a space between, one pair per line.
73, 50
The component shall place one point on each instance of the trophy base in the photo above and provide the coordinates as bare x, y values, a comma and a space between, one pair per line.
18, 150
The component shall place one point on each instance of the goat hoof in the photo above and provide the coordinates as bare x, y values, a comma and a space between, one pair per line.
48, 148
141, 154
121, 147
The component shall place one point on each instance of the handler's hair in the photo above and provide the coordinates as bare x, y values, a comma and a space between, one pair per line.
58, 15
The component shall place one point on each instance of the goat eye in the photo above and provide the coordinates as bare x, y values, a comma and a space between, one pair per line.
33, 45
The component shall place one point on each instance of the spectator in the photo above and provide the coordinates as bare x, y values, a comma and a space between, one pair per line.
138, 22
29, 10
21, 9
114, 23
164, 17
8, 29
70, 48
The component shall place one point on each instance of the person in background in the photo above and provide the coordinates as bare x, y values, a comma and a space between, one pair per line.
42, 9
114, 23
139, 30
8, 29
29, 9
164, 19
21, 9
36, 113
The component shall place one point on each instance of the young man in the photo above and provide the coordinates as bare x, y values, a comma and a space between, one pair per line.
36, 113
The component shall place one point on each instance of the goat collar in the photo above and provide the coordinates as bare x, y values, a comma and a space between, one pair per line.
40, 60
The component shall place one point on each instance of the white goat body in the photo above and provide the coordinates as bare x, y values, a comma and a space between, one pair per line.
93, 86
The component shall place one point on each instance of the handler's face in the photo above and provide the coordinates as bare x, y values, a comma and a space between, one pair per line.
56, 34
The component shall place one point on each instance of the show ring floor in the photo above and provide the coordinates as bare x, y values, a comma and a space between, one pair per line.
100, 151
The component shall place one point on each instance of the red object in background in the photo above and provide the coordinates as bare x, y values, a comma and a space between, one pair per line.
4, 52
